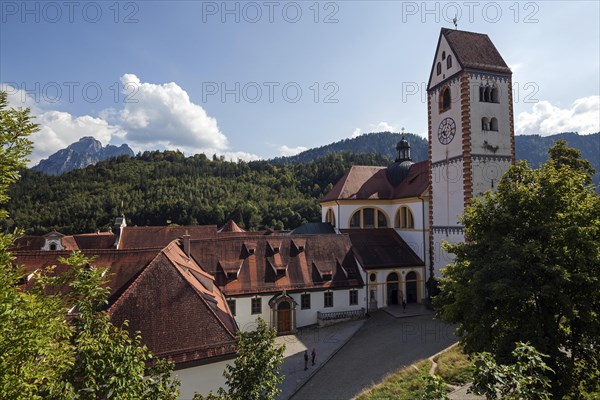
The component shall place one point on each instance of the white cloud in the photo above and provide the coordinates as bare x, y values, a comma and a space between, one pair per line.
19, 98
383, 127
515, 67
290, 151
156, 116
379, 127
57, 129
60, 129
163, 114
546, 119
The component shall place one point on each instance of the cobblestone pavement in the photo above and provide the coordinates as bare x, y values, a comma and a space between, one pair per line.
327, 341
384, 344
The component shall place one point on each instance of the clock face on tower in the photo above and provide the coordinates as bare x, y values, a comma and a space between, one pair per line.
446, 131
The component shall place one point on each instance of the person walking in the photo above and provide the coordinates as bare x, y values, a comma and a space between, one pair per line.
305, 360
403, 305
314, 355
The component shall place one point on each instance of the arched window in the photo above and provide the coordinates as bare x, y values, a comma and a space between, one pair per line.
368, 217
404, 218
443, 55
481, 90
487, 94
494, 98
494, 124
439, 68
53, 246
485, 124
330, 217
449, 62
445, 99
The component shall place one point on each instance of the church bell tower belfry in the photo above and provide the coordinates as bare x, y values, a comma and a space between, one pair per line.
471, 131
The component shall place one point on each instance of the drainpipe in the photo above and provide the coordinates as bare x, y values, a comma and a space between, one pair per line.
337, 225
424, 246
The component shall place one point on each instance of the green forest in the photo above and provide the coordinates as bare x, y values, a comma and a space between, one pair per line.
160, 188
166, 187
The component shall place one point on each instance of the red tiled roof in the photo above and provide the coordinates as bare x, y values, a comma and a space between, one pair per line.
242, 266
230, 226
123, 265
28, 243
99, 240
381, 248
185, 315
134, 237
164, 294
475, 50
371, 183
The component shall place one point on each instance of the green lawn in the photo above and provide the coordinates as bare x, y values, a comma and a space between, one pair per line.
454, 367
400, 385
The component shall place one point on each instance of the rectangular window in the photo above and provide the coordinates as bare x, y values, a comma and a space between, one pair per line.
231, 304
354, 297
305, 301
328, 298
257, 306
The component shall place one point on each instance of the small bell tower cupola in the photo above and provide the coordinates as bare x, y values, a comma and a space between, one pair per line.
403, 149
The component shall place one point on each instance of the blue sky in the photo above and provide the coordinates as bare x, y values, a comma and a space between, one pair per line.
268, 78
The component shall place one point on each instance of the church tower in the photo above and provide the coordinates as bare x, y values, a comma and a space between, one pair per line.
471, 131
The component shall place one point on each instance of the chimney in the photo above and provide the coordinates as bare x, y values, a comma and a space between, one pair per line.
120, 223
186, 243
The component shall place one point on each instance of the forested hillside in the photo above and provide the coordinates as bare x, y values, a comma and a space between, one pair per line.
378, 143
158, 188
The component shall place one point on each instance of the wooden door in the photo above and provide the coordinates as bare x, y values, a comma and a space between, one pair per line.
284, 317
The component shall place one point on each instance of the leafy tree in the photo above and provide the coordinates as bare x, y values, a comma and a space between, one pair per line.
15, 128
108, 362
255, 372
529, 270
433, 388
46, 352
34, 338
525, 379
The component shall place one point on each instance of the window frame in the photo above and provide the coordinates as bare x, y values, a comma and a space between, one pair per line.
353, 297
358, 216
303, 297
404, 215
253, 303
328, 300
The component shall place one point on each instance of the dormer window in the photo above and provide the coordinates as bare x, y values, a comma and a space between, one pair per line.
53, 246
449, 62
439, 68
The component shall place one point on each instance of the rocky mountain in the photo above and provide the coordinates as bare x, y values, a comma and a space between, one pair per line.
80, 154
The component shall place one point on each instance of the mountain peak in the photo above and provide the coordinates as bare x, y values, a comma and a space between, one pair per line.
84, 152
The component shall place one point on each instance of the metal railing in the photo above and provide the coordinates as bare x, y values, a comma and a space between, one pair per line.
329, 316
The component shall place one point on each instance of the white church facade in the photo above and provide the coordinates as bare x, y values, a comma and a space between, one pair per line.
470, 146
